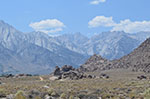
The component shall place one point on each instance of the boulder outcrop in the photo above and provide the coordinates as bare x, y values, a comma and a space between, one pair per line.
69, 73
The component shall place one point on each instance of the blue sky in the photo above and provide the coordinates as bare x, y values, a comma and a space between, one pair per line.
69, 16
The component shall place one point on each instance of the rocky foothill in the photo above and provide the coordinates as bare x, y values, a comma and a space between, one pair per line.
138, 60
95, 63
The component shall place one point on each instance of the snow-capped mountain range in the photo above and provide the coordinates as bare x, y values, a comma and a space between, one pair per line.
39, 53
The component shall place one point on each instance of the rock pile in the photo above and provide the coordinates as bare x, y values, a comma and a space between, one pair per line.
68, 72
104, 76
142, 77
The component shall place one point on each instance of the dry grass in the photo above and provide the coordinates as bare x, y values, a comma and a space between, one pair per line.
119, 85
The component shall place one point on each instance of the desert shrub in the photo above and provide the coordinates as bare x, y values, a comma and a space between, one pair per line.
54, 94
2, 91
50, 91
20, 95
81, 95
37, 97
132, 95
71, 97
146, 94
106, 95
63, 96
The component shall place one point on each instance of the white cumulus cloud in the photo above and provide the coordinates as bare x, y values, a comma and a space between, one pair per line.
96, 2
101, 21
124, 25
132, 27
48, 26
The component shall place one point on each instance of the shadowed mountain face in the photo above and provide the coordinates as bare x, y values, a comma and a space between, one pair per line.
138, 60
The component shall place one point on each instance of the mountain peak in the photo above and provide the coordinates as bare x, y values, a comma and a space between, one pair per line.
148, 40
146, 44
6, 26
2, 23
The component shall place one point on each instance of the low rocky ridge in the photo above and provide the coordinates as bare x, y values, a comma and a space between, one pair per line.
138, 60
